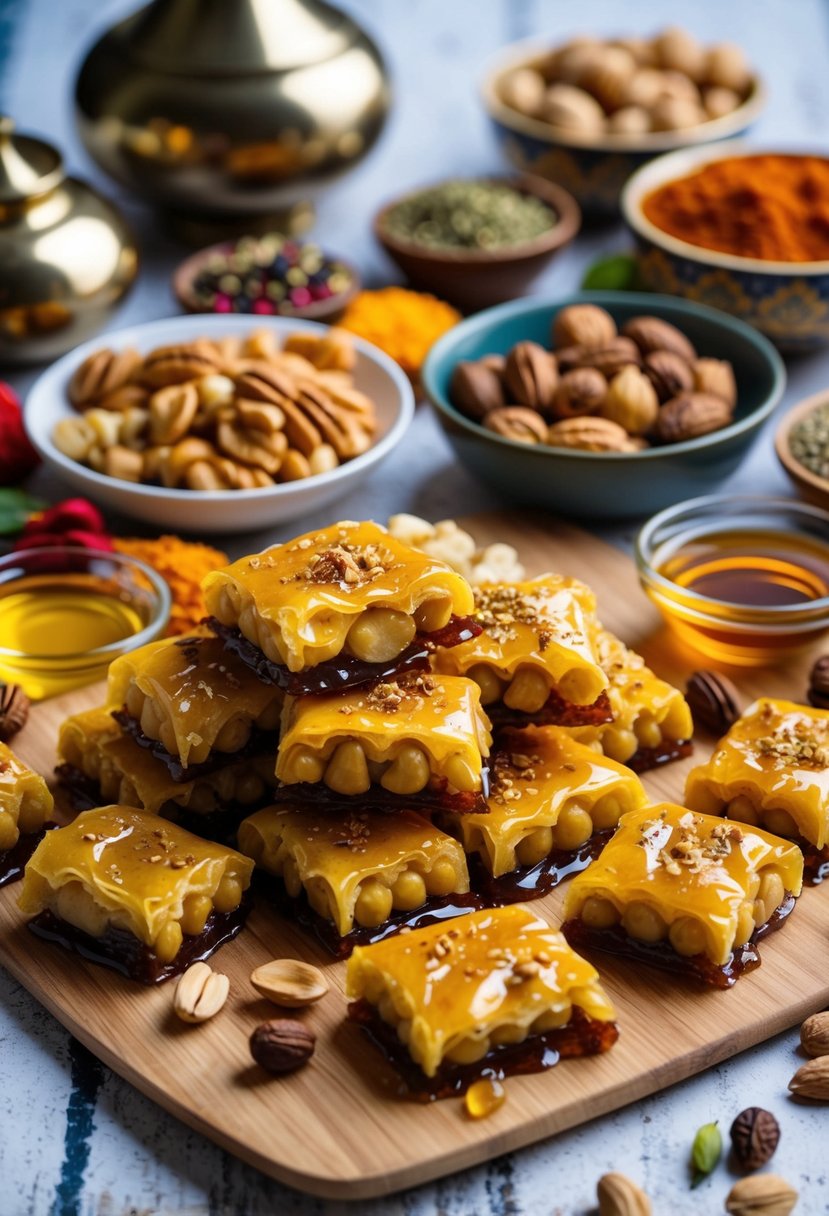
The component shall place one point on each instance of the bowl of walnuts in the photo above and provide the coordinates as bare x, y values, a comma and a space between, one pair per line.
589, 112
607, 404
219, 423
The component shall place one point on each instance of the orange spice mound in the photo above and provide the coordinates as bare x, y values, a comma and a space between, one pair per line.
182, 564
403, 323
775, 208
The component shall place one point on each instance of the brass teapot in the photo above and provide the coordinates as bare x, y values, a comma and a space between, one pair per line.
66, 255
233, 108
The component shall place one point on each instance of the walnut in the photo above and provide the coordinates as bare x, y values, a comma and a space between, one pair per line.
517, 422
476, 389
282, 1045
608, 359
669, 374
572, 109
652, 333
715, 376
101, 373
531, 375
177, 364
691, 415
631, 401
589, 435
581, 391
583, 325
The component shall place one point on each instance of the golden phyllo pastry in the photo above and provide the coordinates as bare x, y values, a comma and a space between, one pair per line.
772, 768
418, 733
99, 760
350, 590
651, 719
193, 698
672, 882
535, 644
25, 800
358, 867
547, 792
454, 992
134, 891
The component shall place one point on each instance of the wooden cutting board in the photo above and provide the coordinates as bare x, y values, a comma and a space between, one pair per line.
335, 1128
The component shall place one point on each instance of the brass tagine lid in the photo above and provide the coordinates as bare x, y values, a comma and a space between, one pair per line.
66, 255
231, 107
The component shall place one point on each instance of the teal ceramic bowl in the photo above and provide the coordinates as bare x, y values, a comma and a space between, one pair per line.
610, 485
786, 301
593, 169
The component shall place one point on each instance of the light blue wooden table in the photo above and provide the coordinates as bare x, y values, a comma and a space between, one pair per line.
75, 1140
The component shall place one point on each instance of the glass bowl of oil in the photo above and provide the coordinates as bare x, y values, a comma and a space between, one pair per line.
67, 612
744, 580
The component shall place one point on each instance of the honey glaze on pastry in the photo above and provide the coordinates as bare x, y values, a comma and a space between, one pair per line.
772, 769
357, 869
350, 591
417, 735
193, 699
25, 807
686, 892
130, 890
535, 645
549, 797
494, 992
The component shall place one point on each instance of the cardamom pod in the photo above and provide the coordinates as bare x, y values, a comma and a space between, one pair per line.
812, 1080
618, 1196
761, 1195
814, 1035
705, 1151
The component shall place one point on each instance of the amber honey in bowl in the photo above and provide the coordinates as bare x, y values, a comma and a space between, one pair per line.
66, 613
743, 580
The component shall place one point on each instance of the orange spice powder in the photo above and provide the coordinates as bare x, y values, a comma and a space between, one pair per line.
775, 208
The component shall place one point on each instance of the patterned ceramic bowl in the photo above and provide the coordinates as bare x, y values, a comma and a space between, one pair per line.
787, 301
593, 170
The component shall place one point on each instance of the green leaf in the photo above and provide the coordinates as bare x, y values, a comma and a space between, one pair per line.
15, 508
705, 1152
619, 272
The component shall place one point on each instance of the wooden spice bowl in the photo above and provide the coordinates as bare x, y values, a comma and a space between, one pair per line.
813, 488
473, 279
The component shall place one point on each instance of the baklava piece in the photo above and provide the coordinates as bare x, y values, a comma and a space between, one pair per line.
651, 724
494, 992
332, 609
772, 769
99, 763
130, 890
25, 807
192, 704
420, 737
552, 804
534, 660
685, 892
358, 870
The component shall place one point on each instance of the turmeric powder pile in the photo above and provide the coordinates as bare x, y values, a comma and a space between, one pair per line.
182, 564
775, 208
403, 323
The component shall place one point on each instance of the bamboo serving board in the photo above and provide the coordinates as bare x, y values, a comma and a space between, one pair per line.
336, 1128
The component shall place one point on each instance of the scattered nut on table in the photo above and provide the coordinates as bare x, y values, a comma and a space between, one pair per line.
200, 993
618, 1195
282, 1045
761, 1195
814, 1035
289, 982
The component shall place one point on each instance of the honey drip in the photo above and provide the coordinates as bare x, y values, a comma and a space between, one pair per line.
484, 1097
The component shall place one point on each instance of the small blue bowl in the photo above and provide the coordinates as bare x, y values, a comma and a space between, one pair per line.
610, 485
786, 301
592, 168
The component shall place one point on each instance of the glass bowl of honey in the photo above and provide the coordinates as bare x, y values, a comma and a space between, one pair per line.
744, 579
67, 612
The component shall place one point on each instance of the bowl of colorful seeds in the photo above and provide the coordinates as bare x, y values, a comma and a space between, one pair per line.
802, 445
267, 276
477, 242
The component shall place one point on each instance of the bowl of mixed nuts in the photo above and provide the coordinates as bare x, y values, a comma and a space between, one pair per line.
219, 423
588, 112
608, 404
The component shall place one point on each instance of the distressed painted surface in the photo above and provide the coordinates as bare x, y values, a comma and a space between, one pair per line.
74, 1139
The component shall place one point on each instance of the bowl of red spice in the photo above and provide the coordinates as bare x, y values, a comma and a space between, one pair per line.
741, 229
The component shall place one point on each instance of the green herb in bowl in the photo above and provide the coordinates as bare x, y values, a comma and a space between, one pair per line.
482, 215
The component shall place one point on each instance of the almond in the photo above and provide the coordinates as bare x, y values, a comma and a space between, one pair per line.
618, 1196
812, 1080
289, 982
814, 1035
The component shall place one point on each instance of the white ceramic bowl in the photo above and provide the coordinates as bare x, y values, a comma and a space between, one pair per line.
220, 510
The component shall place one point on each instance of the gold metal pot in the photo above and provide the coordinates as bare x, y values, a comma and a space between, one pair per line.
231, 108
66, 255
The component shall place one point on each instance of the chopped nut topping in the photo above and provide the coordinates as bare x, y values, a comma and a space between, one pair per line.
803, 744
500, 607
